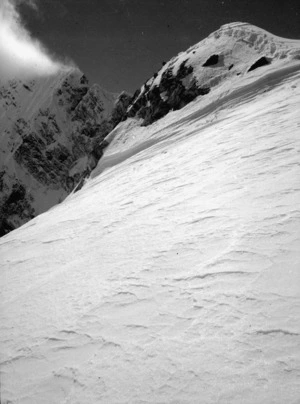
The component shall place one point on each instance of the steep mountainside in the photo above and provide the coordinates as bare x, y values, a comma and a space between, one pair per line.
172, 276
50, 129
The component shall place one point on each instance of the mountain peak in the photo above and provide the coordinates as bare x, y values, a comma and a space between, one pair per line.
221, 62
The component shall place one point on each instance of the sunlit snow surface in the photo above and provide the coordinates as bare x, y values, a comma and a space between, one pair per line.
174, 275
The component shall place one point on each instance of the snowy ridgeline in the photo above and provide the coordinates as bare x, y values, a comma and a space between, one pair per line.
173, 275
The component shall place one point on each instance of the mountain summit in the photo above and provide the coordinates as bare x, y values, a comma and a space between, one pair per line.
226, 58
172, 275
233, 60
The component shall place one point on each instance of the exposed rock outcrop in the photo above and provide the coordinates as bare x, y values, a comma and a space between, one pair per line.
173, 91
51, 131
260, 63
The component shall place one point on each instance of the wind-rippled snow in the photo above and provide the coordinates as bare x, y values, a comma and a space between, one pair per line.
172, 277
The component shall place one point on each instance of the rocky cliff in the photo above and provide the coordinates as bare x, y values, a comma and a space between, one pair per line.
50, 131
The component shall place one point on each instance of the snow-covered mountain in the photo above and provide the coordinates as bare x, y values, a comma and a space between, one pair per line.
224, 58
50, 129
173, 275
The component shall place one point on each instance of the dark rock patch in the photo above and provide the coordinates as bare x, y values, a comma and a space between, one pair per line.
121, 106
73, 94
98, 149
184, 71
171, 93
211, 61
27, 87
263, 61
47, 167
84, 80
17, 203
16, 195
5, 227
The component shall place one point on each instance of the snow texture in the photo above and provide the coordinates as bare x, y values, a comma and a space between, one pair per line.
173, 275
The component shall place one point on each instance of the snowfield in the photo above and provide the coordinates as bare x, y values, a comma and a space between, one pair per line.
173, 275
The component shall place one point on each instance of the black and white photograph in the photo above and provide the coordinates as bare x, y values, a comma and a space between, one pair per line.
149, 202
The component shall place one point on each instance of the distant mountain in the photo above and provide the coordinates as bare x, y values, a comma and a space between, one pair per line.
50, 131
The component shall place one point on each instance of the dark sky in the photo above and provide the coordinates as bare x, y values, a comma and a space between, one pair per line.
121, 43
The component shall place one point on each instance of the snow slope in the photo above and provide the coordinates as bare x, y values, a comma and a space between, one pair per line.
173, 275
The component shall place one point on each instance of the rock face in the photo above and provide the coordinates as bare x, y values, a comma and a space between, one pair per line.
50, 131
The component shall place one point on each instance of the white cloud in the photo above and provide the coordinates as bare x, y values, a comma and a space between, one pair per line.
20, 54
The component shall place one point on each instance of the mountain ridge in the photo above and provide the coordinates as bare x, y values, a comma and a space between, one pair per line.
74, 118
228, 77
